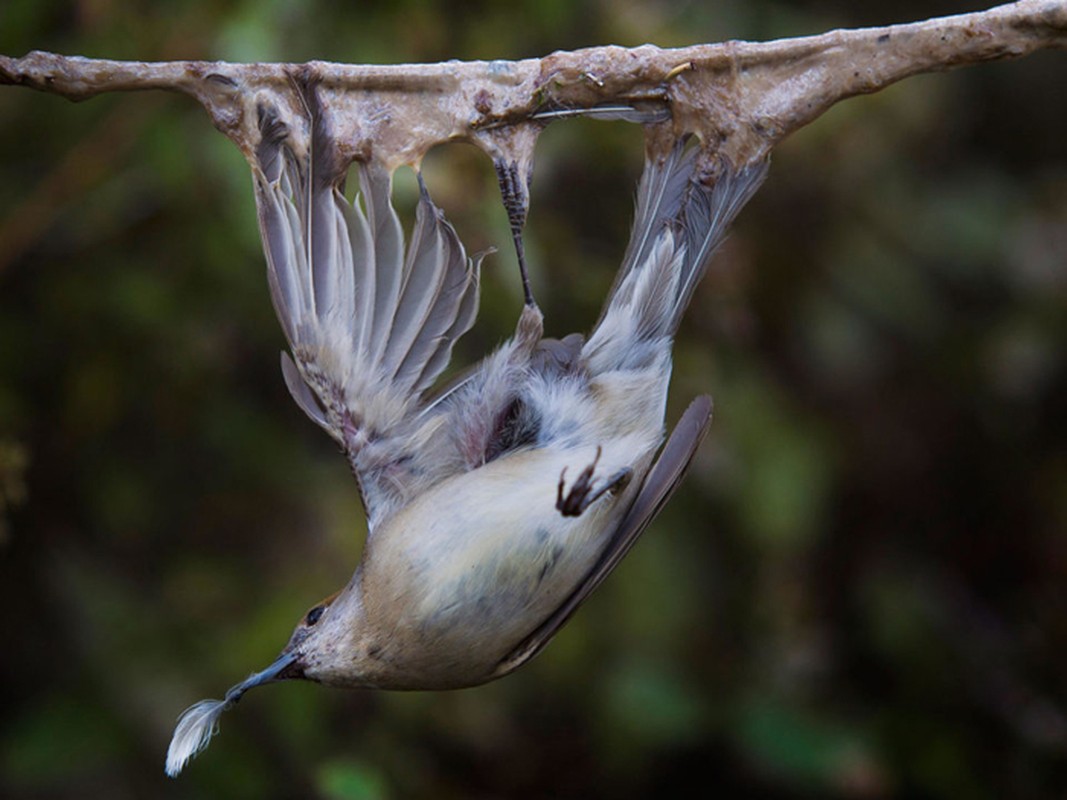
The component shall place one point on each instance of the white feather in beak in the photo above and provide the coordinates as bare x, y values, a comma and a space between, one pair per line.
200, 722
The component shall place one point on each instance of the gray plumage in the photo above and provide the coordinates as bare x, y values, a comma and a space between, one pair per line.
371, 324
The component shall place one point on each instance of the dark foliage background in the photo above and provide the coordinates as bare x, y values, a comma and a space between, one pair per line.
861, 591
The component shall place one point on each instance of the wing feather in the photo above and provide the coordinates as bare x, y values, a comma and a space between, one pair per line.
303, 395
370, 325
388, 239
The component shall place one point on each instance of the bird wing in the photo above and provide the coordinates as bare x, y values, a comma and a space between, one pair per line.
370, 323
660, 483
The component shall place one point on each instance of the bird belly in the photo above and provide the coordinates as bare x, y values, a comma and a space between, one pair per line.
472, 567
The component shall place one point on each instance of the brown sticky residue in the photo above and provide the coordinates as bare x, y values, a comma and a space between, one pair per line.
739, 98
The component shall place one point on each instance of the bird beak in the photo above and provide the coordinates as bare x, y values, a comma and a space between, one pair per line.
285, 667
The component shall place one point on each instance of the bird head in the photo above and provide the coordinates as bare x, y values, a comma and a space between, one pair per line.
317, 650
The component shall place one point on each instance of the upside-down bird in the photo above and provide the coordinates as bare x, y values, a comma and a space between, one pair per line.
497, 504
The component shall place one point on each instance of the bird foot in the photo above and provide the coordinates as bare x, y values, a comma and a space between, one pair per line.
582, 494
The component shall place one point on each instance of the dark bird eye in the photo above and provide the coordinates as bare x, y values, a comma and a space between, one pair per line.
314, 615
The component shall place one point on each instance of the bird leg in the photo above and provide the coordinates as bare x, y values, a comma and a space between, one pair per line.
582, 495
514, 189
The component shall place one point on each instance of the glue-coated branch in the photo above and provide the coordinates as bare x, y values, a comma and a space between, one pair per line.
740, 97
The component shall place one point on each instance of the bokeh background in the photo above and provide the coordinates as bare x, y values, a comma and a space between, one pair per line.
860, 591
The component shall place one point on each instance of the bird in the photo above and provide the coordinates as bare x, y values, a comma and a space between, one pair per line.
497, 503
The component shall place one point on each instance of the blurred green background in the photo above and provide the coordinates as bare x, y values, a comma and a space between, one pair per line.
860, 591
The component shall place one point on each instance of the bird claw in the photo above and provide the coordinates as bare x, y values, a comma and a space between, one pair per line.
582, 494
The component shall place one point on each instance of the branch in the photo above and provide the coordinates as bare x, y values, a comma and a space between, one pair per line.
741, 98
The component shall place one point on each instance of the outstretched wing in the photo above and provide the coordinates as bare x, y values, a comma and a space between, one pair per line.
370, 323
660, 483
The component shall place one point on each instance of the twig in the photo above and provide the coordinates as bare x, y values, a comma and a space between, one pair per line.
742, 98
